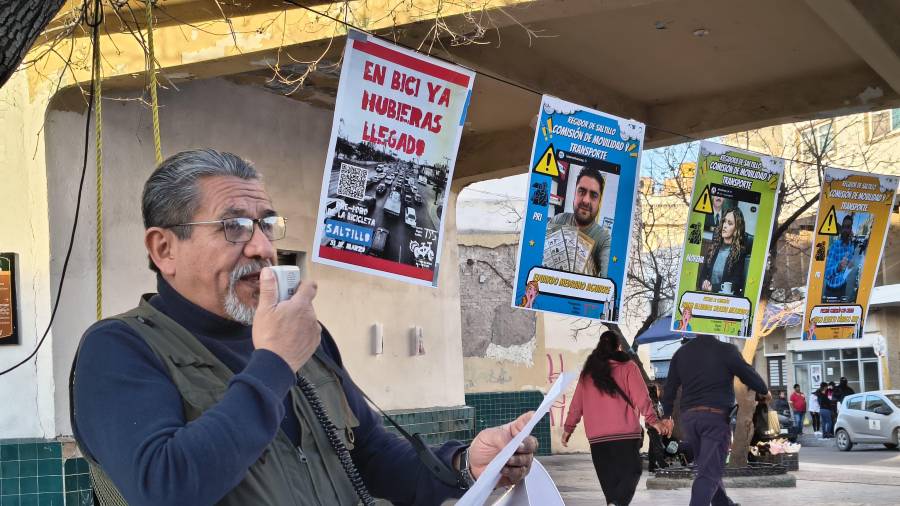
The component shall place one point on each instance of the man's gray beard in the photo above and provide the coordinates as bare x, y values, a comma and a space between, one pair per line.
234, 308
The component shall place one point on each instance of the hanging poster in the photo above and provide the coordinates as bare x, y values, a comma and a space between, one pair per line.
573, 252
851, 229
398, 118
727, 239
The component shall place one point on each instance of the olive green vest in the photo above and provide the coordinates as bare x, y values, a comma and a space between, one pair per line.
310, 474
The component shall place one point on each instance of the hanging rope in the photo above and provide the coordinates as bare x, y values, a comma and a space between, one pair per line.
98, 130
151, 69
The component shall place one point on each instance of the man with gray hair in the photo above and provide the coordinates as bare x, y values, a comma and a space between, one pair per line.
212, 391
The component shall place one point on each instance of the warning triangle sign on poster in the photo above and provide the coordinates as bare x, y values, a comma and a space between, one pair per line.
547, 163
829, 226
704, 203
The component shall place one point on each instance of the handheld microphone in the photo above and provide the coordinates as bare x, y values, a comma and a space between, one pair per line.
288, 278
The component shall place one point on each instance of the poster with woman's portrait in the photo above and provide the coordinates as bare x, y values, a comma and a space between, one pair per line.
727, 237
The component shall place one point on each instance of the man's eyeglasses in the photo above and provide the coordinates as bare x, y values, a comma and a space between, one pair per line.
239, 230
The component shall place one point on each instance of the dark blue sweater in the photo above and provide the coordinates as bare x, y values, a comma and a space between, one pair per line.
129, 417
705, 368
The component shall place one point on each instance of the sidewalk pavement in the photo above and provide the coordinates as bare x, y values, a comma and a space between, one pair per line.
818, 484
815, 439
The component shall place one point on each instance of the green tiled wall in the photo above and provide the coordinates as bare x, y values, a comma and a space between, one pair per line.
77, 483
497, 408
436, 425
32, 473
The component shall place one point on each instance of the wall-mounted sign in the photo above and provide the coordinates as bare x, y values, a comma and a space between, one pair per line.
9, 317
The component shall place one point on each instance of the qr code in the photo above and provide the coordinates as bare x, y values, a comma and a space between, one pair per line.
352, 181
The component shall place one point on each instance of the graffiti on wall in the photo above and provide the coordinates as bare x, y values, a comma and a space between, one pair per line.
558, 409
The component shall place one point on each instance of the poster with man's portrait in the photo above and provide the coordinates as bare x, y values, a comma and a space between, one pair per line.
851, 229
573, 252
846, 255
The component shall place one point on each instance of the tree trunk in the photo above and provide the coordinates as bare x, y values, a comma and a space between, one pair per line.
21, 21
746, 399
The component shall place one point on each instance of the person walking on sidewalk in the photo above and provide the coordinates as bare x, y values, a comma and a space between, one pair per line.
705, 369
798, 407
814, 412
611, 395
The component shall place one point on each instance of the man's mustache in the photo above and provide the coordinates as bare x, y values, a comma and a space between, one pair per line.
250, 267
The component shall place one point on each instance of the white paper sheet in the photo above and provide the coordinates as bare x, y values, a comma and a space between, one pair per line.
481, 490
537, 489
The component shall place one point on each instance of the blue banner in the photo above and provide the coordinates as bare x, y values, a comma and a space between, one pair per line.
343, 231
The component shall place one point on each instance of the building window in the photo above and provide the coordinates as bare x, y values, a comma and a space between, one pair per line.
777, 372
858, 365
660, 369
884, 123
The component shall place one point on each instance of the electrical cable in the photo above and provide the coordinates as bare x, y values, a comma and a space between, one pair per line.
95, 35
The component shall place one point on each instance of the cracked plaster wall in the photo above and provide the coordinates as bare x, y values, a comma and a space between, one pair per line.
489, 321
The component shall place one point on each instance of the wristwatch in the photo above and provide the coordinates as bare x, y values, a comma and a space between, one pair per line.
466, 479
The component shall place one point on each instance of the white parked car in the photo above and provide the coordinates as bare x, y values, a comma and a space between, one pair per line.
869, 417
410, 216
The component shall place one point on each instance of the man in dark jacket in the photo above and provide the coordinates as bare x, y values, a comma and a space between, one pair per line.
841, 391
214, 392
705, 369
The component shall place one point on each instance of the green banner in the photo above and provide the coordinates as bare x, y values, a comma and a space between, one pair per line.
727, 237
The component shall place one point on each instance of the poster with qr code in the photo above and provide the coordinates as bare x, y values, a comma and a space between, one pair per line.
352, 182
397, 122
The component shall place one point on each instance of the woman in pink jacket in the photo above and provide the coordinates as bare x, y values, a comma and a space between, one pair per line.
611, 395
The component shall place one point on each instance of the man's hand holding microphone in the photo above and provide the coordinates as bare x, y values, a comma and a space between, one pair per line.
287, 327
